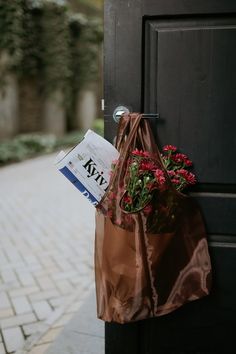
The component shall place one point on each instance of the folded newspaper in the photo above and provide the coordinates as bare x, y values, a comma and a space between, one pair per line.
88, 165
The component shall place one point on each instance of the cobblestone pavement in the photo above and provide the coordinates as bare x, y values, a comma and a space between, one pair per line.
46, 254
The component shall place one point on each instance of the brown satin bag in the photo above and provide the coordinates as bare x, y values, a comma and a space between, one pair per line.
147, 265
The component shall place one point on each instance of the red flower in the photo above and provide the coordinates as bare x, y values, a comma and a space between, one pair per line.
175, 181
146, 175
169, 148
159, 174
183, 173
188, 176
147, 209
171, 173
147, 166
182, 158
140, 153
179, 158
191, 179
127, 199
188, 163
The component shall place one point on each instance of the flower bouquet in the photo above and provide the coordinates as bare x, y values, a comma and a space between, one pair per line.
145, 176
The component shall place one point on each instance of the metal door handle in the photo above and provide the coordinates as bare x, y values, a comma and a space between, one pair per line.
122, 109
118, 112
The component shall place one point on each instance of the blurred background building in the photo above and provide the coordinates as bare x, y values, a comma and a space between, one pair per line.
50, 66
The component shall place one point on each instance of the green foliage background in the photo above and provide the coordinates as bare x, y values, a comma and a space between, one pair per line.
46, 40
25, 146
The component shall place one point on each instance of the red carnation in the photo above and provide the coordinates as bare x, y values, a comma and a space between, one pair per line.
169, 148
147, 166
188, 176
191, 179
140, 153
182, 158
183, 173
127, 199
159, 174
175, 181
178, 158
171, 173
188, 163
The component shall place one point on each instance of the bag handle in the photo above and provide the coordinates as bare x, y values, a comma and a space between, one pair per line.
127, 121
128, 125
124, 124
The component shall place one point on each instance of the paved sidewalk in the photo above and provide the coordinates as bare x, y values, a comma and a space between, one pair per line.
84, 334
46, 254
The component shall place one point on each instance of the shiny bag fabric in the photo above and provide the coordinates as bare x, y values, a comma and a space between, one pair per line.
147, 265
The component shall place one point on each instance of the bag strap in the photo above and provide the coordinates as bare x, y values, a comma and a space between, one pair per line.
128, 126
123, 128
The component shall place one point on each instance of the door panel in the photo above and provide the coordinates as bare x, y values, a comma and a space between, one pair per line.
219, 212
188, 79
190, 82
178, 58
195, 328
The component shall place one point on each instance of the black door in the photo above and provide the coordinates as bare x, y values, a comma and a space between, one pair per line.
178, 58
